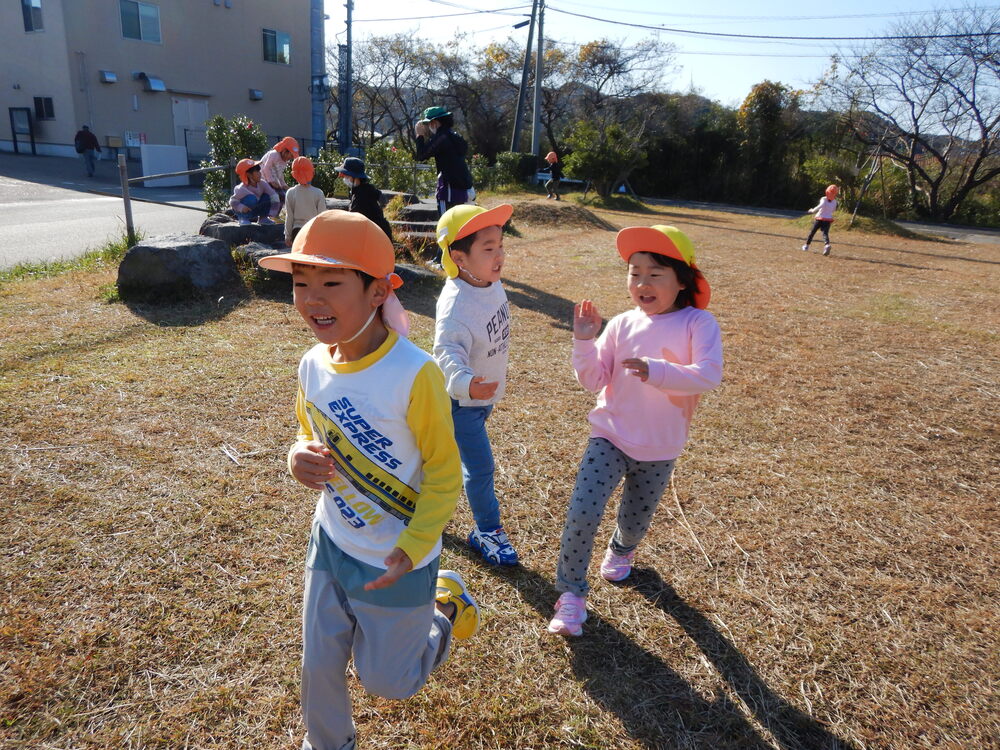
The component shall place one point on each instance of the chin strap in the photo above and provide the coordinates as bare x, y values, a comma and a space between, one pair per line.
362, 329
472, 276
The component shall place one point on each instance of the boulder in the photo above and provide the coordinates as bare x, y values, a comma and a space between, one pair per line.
222, 227
252, 252
340, 204
177, 262
411, 273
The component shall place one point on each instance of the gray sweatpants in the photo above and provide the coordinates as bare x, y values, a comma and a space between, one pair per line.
395, 647
601, 469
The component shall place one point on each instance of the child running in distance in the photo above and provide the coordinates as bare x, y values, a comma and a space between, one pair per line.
824, 217
648, 369
471, 340
302, 201
555, 169
376, 440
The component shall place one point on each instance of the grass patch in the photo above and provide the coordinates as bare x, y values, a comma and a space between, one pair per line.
108, 254
824, 576
627, 203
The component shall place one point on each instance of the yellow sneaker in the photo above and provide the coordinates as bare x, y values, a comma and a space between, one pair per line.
451, 589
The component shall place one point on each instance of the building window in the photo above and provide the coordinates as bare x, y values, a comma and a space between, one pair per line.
277, 47
140, 21
43, 108
32, 12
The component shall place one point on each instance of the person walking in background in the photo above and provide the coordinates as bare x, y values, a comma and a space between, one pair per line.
366, 199
552, 184
648, 368
87, 146
274, 163
823, 212
302, 201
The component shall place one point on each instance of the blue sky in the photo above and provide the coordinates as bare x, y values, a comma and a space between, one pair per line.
719, 68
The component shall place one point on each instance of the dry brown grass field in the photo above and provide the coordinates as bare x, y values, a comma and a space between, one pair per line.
822, 576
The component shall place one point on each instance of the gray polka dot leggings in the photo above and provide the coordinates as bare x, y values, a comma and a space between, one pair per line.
601, 468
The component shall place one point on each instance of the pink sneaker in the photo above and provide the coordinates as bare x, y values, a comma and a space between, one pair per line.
571, 613
616, 567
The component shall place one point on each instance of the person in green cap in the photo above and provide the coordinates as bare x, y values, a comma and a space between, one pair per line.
436, 138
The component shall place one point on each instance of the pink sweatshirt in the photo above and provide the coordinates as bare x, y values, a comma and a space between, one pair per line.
649, 421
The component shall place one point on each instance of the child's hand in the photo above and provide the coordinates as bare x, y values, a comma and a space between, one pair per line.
310, 463
398, 564
638, 367
586, 320
481, 391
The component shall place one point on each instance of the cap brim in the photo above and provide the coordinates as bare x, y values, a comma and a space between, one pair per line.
632, 240
494, 217
284, 261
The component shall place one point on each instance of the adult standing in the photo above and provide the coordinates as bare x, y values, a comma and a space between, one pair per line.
436, 138
86, 145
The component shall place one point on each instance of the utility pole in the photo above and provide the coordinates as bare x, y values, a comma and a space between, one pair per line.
345, 89
515, 139
318, 73
536, 129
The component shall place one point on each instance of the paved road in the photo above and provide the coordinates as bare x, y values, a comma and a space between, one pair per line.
50, 210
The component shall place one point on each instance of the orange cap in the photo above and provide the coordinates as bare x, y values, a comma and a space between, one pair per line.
303, 170
668, 241
243, 166
339, 239
831, 192
288, 143
551, 157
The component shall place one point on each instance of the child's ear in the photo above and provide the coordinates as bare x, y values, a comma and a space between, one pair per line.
379, 291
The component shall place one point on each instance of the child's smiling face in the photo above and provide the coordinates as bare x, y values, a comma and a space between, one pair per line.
485, 258
333, 301
653, 287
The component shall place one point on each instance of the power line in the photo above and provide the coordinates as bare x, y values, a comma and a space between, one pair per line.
669, 30
499, 11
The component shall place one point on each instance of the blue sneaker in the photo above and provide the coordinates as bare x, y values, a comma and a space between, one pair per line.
243, 220
266, 221
494, 546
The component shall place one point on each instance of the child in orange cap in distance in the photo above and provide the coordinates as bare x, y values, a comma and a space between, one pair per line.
274, 163
302, 201
253, 198
823, 211
555, 168
375, 440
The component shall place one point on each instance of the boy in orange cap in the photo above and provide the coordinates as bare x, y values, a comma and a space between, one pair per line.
471, 342
375, 439
274, 162
823, 211
302, 201
552, 184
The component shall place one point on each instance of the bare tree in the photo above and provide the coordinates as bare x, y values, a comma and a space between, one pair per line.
929, 103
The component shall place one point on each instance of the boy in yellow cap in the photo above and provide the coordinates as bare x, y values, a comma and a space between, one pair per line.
375, 439
471, 340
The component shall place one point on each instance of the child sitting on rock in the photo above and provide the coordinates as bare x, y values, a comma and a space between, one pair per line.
253, 198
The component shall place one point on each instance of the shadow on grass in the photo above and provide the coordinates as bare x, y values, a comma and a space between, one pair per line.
183, 307
655, 704
528, 297
886, 263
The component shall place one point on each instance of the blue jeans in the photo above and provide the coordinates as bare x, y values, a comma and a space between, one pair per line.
477, 463
88, 161
259, 207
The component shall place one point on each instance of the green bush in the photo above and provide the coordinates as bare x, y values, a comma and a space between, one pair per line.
604, 157
233, 139
484, 176
392, 168
514, 168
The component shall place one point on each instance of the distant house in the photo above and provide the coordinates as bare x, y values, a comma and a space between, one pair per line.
150, 72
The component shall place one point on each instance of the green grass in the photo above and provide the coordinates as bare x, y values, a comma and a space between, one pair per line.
614, 203
108, 254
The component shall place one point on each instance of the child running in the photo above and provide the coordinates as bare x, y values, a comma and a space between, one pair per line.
824, 217
555, 169
648, 369
375, 439
471, 340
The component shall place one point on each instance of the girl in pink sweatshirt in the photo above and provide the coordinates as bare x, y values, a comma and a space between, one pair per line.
648, 369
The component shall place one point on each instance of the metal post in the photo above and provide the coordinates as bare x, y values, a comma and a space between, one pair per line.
515, 139
346, 88
231, 172
536, 129
123, 176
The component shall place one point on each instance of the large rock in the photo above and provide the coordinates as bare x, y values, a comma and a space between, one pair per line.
177, 262
252, 252
411, 274
223, 227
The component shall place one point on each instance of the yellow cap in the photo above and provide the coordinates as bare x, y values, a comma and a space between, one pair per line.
461, 221
669, 241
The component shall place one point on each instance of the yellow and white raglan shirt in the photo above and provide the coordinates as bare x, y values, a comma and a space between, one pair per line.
386, 419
